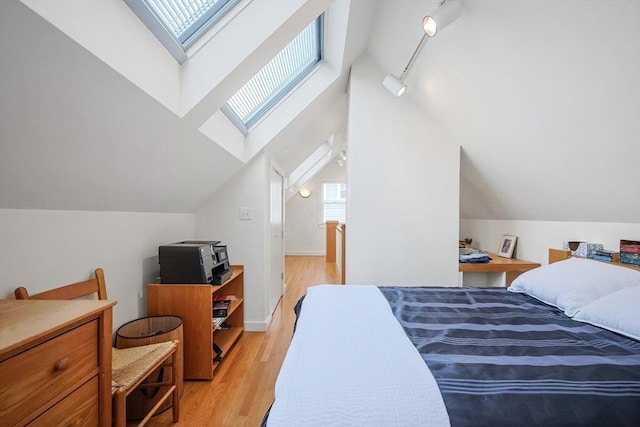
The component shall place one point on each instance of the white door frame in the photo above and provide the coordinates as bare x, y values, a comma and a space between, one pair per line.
276, 278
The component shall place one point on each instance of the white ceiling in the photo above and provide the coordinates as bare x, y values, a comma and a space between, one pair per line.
542, 96
545, 108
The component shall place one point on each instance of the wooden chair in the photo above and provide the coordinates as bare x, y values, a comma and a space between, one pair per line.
129, 366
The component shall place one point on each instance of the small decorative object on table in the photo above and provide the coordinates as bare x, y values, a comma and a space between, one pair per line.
507, 245
466, 243
581, 249
630, 252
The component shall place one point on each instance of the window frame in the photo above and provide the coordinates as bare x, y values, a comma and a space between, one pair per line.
321, 199
178, 45
263, 108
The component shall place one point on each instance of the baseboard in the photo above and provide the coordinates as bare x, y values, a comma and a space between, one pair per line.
257, 326
305, 253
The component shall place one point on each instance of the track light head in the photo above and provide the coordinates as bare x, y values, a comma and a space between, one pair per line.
445, 14
394, 85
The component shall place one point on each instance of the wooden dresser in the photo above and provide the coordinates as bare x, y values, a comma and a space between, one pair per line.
55, 363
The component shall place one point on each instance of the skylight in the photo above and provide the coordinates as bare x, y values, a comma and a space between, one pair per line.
179, 23
276, 78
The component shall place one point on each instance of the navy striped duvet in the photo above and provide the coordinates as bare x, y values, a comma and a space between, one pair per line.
505, 359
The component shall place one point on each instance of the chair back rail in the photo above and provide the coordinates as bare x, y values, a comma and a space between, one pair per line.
72, 291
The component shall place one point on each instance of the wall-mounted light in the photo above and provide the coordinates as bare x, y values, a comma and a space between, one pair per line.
447, 12
343, 155
305, 193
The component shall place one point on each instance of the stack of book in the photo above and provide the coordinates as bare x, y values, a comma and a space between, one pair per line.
630, 252
603, 255
221, 308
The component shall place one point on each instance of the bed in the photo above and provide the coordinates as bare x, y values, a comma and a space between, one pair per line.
561, 347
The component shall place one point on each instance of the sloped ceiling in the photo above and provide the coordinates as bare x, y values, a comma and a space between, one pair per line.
543, 100
77, 134
544, 104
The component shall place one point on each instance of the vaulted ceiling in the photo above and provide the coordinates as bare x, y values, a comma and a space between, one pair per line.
96, 115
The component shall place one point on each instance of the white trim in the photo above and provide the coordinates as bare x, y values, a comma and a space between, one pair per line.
321, 199
257, 326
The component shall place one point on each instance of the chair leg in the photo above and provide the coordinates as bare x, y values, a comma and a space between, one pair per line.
120, 407
175, 408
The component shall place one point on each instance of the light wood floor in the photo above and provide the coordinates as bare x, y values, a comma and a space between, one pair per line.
242, 388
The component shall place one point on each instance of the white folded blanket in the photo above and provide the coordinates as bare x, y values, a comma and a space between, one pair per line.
351, 364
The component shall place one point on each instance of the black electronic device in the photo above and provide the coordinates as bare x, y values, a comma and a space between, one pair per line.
190, 261
222, 270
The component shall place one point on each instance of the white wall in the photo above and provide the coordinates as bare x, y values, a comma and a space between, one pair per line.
402, 189
536, 237
304, 232
45, 249
246, 240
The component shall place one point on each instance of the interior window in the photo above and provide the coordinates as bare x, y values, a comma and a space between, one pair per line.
334, 195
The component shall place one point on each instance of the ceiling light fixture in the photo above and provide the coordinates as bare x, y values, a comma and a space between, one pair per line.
447, 12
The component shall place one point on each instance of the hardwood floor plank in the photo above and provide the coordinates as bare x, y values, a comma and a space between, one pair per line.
242, 388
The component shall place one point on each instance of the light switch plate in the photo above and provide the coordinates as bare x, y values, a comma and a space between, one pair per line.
245, 213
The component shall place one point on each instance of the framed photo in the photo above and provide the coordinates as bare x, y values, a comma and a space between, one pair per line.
507, 245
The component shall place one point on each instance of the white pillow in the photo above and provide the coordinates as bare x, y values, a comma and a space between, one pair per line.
619, 312
574, 283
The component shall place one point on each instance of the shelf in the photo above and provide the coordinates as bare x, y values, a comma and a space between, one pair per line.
226, 338
237, 271
194, 304
235, 304
561, 254
511, 267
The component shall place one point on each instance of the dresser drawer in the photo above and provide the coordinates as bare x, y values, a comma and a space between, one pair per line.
45, 373
79, 409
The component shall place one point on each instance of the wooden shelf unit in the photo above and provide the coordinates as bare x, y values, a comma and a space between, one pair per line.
194, 304
556, 255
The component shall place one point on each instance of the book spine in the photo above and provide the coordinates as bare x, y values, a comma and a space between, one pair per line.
603, 253
629, 258
219, 312
632, 249
601, 257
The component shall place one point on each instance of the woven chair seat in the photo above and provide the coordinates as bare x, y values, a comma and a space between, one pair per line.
131, 365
